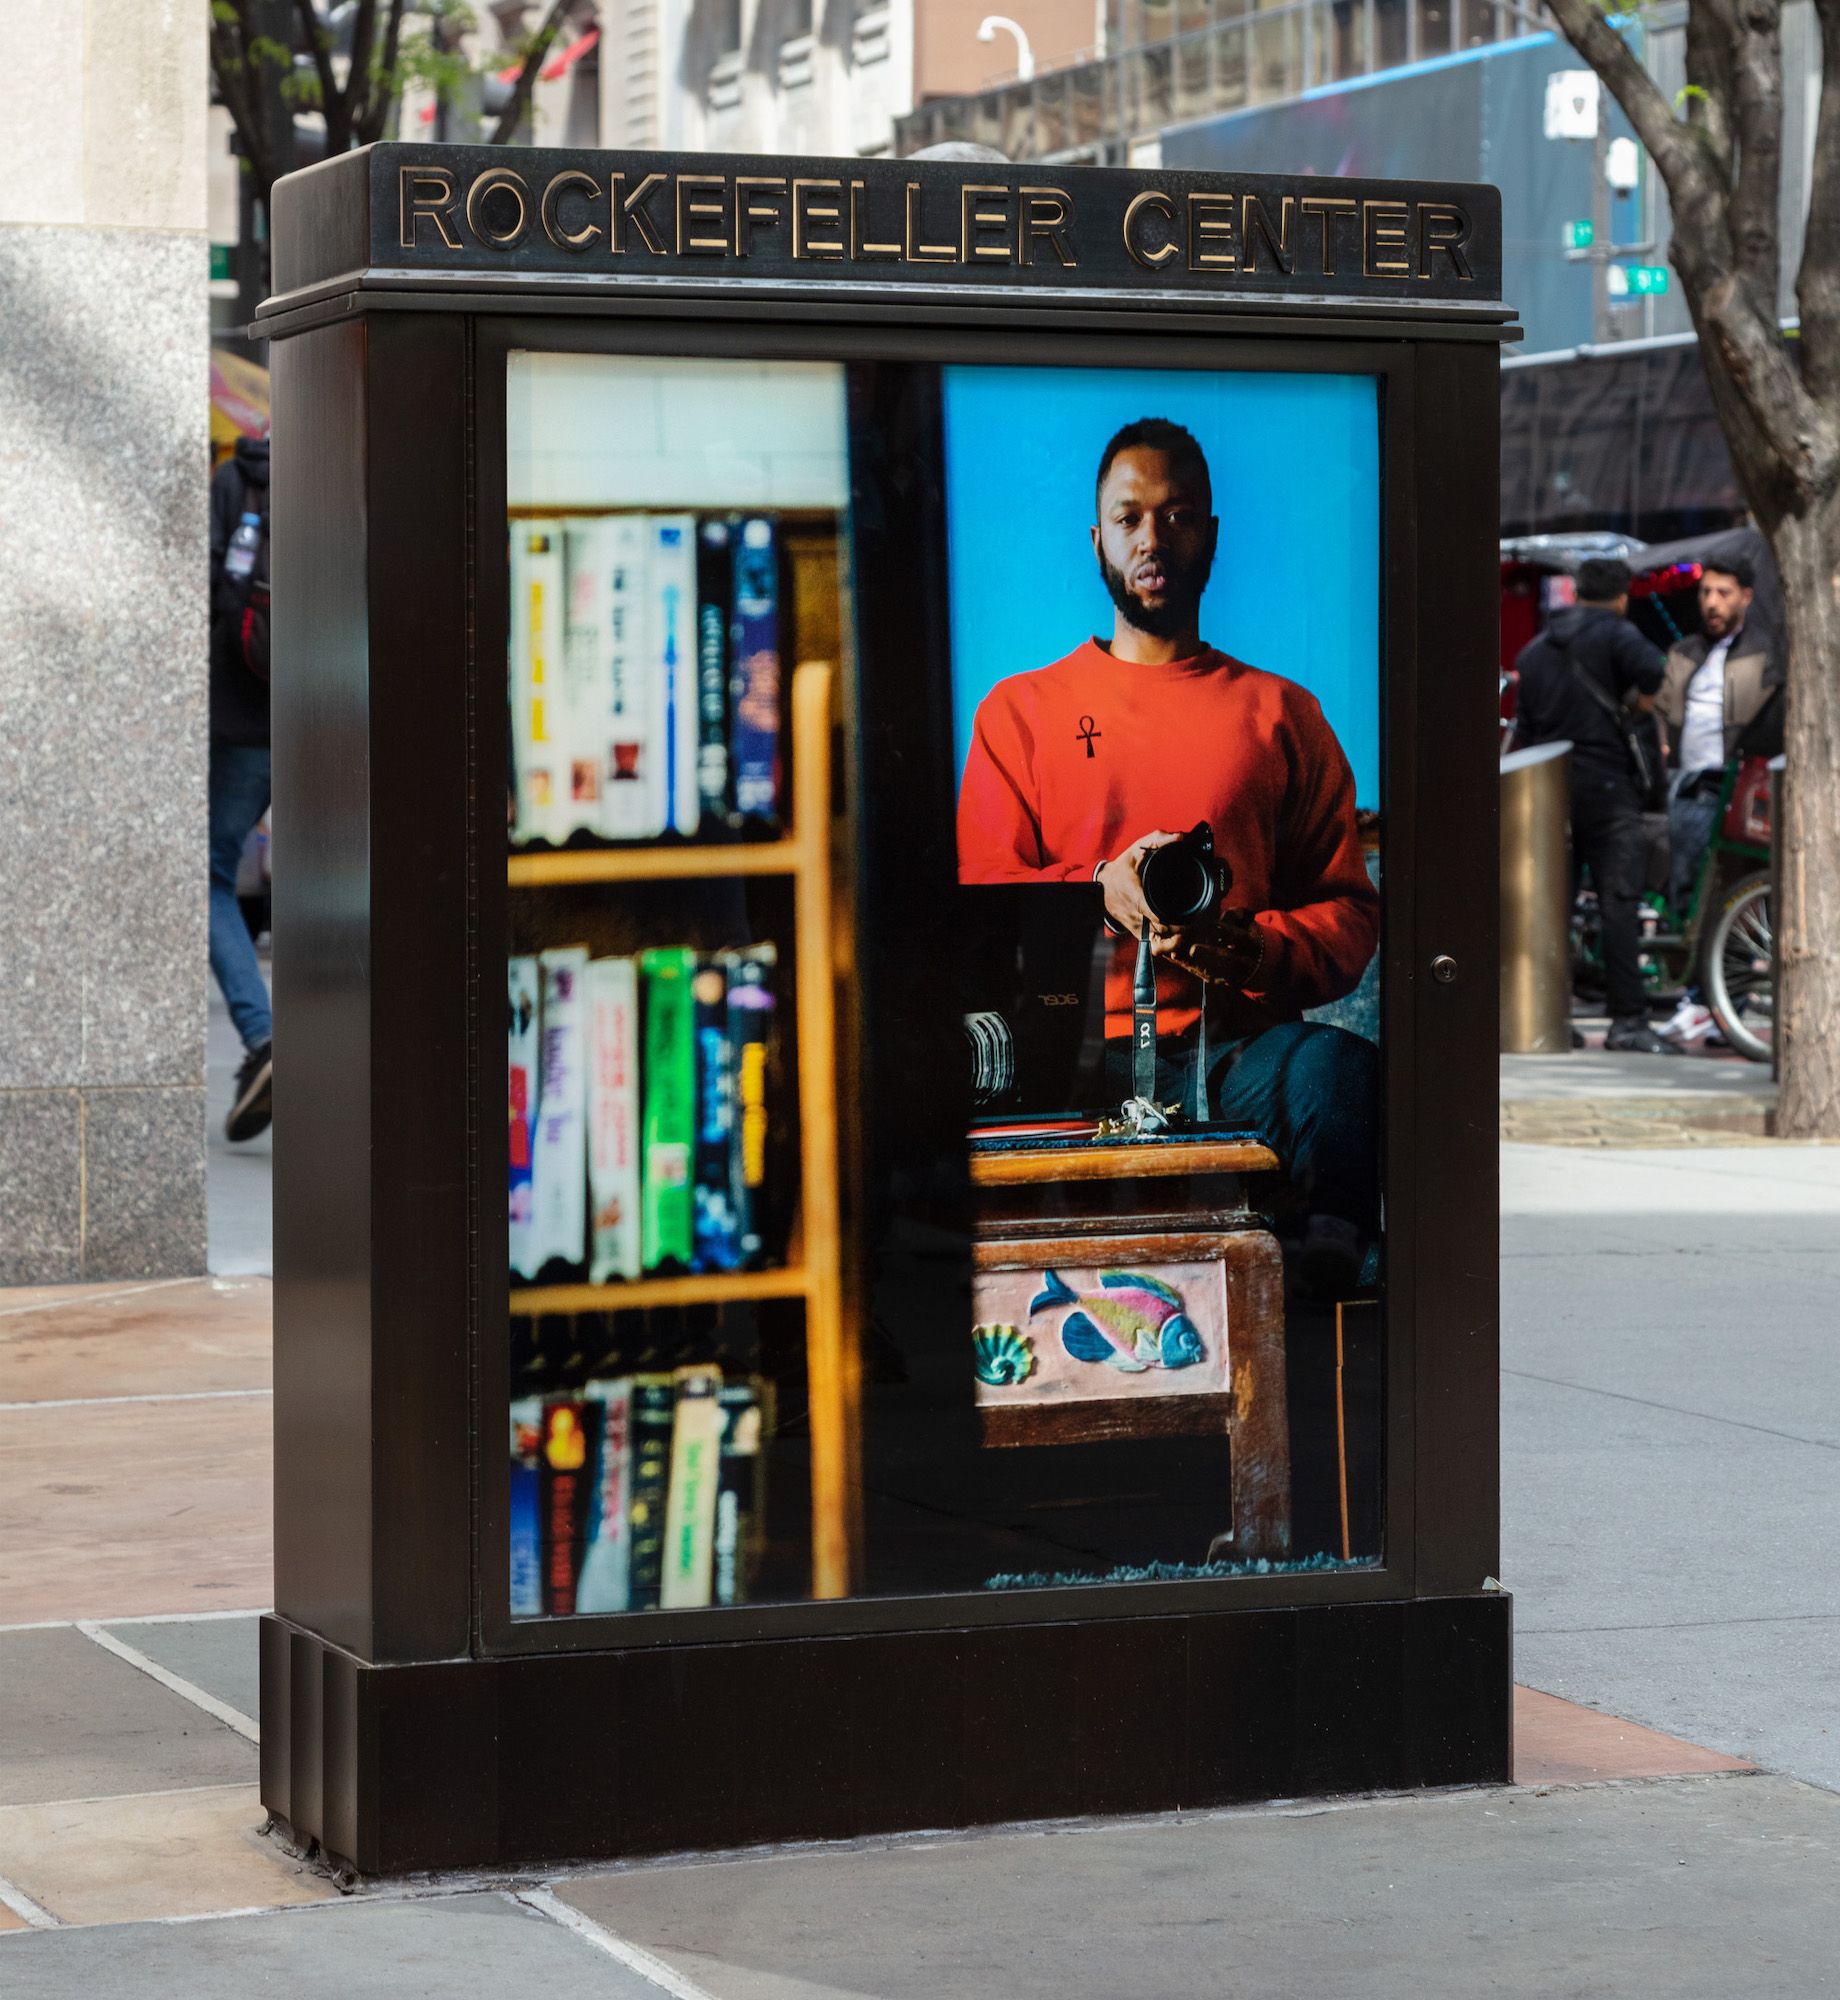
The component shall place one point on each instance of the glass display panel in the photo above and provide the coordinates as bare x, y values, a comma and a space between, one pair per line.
944, 815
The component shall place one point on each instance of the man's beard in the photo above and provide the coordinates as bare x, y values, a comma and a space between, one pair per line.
1181, 597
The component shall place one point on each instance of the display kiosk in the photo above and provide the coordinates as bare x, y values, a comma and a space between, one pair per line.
885, 1184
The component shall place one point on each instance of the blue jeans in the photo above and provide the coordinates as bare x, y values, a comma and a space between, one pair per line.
239, 797
1692, 815
1310, 1090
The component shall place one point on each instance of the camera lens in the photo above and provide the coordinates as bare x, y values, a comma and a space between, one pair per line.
1179, 882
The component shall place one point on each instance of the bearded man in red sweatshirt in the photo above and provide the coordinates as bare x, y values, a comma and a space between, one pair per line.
1077, 770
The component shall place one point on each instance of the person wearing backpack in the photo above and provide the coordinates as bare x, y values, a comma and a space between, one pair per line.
240, 770
1590, 678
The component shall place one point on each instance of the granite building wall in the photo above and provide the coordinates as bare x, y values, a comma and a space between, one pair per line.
104, 464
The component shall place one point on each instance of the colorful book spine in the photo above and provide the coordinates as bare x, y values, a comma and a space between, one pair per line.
750, 1040
560, 1169
634, 796
716, 1229
613, 1119
568, 1468
582, 682
714, 591
672, 587
653, 1406
526, 1507
536, 662
668, 1093
754, 762
738, 1491
690, 1510
606, 1567
522, 1052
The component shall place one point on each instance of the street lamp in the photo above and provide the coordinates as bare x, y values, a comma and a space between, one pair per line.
1025, 55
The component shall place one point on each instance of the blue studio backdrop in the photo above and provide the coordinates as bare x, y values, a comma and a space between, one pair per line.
1295, 466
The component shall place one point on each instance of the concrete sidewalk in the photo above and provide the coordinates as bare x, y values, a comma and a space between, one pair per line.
1671, 1497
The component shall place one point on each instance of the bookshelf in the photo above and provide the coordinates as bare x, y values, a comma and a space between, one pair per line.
813, 1271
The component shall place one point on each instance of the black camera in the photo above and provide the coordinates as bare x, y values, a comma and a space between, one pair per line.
1184, 879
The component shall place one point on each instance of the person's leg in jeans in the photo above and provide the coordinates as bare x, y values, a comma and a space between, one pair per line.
1691, 818
239, 795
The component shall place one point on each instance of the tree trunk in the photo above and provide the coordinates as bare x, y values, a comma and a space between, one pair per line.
1807, 547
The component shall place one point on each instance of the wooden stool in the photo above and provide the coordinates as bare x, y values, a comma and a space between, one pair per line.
1100, 1315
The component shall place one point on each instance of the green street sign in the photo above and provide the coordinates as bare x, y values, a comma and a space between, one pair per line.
1647, 281
1578, 235
220, 261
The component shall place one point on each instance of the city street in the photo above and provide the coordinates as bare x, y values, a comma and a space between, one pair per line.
1671, 1495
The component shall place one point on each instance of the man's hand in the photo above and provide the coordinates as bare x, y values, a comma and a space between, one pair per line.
1225, 948
1123, 883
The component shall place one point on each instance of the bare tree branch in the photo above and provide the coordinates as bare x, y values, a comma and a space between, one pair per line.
382, 100
1670, 145
359, 82
338, 135
1707, 109
537, 49
1757, 192
1818, 283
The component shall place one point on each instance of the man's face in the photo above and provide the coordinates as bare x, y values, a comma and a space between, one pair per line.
1154, 540
1723, 601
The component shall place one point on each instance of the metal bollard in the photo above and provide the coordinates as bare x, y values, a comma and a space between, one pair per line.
1536, 901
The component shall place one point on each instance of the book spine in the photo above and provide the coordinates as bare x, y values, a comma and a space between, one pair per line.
526, 1507
522, 1052
714, 588
717, 1237
738, 1490
690, 1510
750, 1039
633, 798
654, 1401
613, 1118
673, 600
582, 695
561, 1166
536, 640
606, 1567
668, 1086
755, 687
569, 1451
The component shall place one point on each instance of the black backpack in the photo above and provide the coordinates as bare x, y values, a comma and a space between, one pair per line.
242, 606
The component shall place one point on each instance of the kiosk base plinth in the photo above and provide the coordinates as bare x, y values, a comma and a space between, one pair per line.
554, 1757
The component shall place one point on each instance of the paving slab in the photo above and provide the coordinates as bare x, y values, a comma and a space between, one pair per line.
445, 1949
184, 1337
1699, 1888
220, 1655
1560, 1742
117, 1510
168, 1854
76, 1722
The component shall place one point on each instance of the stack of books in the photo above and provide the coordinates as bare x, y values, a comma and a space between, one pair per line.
639, 1111
645, 676
640, 1493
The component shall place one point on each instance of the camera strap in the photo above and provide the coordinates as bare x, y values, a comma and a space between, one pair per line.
1143, 1021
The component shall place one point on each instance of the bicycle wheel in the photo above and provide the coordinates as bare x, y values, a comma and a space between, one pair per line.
1738, 968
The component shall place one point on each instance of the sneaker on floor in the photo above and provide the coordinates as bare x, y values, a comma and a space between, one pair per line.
1690, 1024
253, 1105
1637, 1038
1329, 1262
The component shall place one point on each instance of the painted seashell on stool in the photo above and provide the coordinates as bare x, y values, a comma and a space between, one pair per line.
1003, 1355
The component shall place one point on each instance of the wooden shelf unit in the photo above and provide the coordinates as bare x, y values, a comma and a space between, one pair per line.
815, 1272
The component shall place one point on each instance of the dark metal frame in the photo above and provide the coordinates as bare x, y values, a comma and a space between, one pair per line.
390, 1668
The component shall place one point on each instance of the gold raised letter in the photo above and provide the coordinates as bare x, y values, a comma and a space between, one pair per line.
751, 213
806, 211
489, 183
426, 194
1255, 228
631, 208
913, 251
1158, 203
1442, 232
691, 210
1047, 212
973, 220
1383, 240
1212, 237
1327, 207
549, 208
860, 247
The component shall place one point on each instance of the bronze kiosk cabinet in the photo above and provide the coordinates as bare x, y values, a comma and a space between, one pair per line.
899, 1652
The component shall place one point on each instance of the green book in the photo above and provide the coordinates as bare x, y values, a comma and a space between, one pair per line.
653, 1406
666, 1200
690, 1513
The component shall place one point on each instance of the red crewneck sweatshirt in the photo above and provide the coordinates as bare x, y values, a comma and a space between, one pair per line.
1071, 763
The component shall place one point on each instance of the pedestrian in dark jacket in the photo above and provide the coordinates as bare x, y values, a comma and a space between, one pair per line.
1580, 680
240, 770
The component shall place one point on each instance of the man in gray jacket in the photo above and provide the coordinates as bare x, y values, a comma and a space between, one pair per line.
1714, 698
